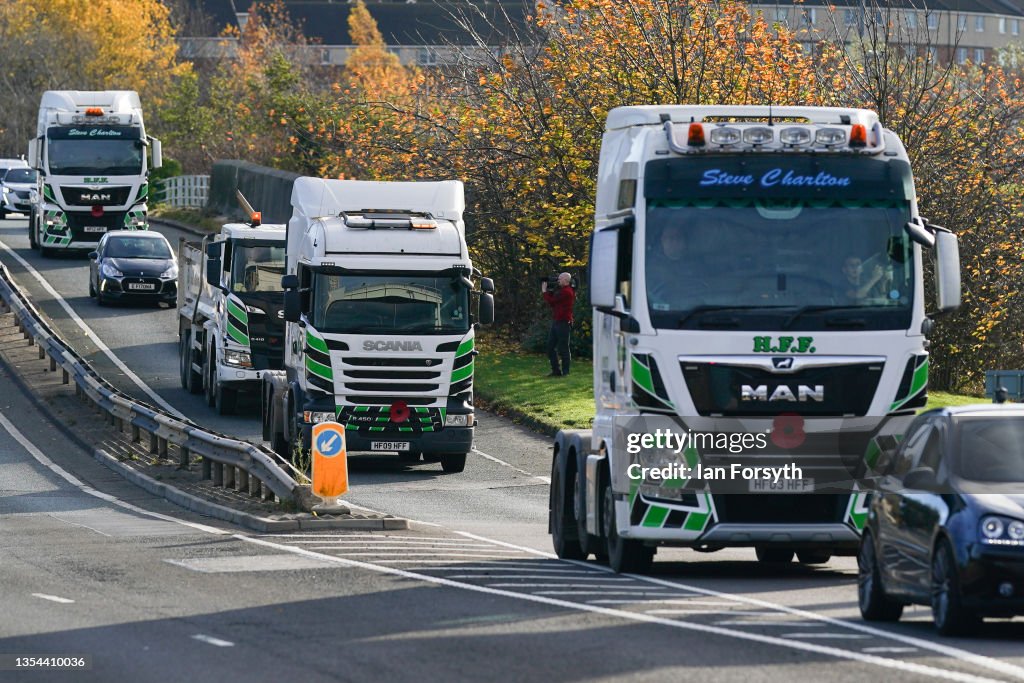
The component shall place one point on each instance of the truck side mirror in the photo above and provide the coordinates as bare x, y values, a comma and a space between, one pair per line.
947, 271
158, 156
915, 227
290, 281
213, 271
33, 151
487, 285
604, 259
292, 304
486, 308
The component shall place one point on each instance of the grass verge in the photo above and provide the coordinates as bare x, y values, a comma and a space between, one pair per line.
514, 384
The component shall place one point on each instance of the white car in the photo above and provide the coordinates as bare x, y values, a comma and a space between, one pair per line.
20, 191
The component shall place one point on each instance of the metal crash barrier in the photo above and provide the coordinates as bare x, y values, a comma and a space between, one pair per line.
222, 456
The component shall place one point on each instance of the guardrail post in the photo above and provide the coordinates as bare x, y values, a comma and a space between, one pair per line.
206, 468
53, 364
218, 474
254, 487
242, 481
42, 353
153, 442
162, 445
268, 493
136, 434
65, 378
229, 476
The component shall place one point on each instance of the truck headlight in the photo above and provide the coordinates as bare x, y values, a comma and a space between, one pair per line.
110, 271
169, 274
458, 420
240, 359
255, 309
315, 417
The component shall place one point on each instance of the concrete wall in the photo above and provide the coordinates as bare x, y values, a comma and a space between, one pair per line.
269, 190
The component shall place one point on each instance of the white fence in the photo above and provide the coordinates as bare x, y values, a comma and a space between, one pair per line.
185, 191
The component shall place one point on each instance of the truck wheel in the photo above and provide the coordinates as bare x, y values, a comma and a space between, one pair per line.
32, 232
453, 463
564, 530
209, 377
224, 398
774, 555
191, 381
874, 604
624, 555
813, 556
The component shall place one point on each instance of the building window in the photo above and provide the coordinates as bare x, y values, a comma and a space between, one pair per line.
961, 55
782, 16
811, 16
850, 17
427, 56
961, 22
933, 20
979, 24
912, 20
1015, 26
1002, 24
979, 55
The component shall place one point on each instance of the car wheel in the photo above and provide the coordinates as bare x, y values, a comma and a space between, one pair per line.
813, 556
874, 604
564, 530
624, 555
453, 463
92, 289
100, 299
774, 555
948, 612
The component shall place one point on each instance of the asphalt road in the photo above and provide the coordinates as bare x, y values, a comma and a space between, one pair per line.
471, 594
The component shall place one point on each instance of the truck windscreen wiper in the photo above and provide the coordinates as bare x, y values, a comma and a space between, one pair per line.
822, 308
709, 308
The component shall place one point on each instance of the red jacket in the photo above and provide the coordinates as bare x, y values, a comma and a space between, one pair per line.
561, 301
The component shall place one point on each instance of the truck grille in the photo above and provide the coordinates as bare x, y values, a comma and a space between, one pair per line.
405, 376
105, 196
77, 221
781, 508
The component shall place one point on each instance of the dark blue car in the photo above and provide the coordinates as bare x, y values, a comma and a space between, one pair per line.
946, 523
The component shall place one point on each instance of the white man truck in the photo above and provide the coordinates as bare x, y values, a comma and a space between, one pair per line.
90, 151
231, 311
379, 328
760, 332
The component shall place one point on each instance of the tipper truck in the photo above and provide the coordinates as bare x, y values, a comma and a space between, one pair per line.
230, 311
90, 151
379, 331
760, 332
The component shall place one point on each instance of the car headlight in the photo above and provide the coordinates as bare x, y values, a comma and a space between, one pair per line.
33, 196
110, 271
240, 359
996, 530
170, 273
458, 420
6, 189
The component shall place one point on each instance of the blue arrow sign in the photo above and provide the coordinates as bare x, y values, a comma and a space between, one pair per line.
329, 443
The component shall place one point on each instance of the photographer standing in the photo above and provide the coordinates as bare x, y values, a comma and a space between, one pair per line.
561, 301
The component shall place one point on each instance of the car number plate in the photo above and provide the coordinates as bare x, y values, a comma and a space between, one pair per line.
389, 445
95, 228
781, 486
141, 285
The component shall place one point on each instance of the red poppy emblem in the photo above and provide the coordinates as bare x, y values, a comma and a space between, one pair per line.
399, 411
788, 431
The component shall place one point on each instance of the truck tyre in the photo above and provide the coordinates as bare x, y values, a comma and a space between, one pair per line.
874, 604
774, 555
564, 530
191, 381
32, 231
209, 377
624, 555
453, 463
224, 398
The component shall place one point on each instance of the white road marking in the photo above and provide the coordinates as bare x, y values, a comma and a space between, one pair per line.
619, 592
814, 648
53, 598
677, 601
92, 335
213, 641
444, 553
890, 649
707, 611
404, 544
71, 479
497, 552
845, 636
550, 585
787, 624
249, 563
546, 480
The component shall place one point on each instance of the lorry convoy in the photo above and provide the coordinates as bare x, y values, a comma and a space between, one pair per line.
230, 310
90, 151
379, 331
756, 273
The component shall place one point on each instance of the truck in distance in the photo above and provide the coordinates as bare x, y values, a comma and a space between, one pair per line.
379, 329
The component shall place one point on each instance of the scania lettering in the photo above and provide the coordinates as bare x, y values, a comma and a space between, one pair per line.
230, 308
753, 271
379, 331
90, 150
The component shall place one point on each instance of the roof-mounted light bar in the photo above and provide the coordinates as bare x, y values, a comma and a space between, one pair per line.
733, 137
375, 219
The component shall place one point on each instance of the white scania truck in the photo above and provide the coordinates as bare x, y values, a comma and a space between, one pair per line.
90, 151
230, 311
379, 331
757, 282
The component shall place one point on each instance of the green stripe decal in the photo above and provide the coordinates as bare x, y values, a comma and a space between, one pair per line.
920, 380
238, 312
316, 343
237, 335
319, 369
642, 376
655, 517
464, 348
696, 521
462, 373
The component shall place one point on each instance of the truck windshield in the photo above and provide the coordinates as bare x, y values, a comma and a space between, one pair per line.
410, 304
784, 264
94, 155
256, 268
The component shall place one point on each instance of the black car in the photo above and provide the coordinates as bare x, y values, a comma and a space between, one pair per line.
946, 522
133, 264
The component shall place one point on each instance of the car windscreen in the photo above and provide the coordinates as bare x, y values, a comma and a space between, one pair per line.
138, 247
990, 449
20, 175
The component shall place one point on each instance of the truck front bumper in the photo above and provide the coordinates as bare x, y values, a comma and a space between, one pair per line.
447, 441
